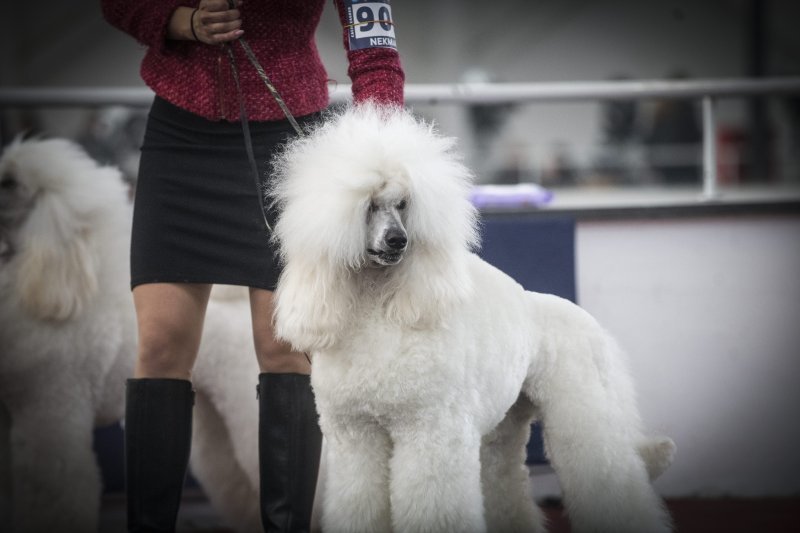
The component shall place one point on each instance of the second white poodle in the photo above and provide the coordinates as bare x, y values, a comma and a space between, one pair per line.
430, 364
68, 342
67, 327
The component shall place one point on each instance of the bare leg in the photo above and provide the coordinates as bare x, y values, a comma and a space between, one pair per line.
274, 356
170, 319
158, 406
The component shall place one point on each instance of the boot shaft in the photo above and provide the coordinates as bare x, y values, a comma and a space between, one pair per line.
290, 442
158, 436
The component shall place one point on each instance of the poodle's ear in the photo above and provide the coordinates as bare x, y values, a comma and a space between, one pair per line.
312, 302
56, 269
428, 286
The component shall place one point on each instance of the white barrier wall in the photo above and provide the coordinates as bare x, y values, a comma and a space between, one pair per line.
709, 311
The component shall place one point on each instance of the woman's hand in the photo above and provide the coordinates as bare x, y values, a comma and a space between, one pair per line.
213, 22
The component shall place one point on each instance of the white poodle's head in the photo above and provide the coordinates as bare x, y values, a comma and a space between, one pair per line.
370, 189
387, 239
50, 194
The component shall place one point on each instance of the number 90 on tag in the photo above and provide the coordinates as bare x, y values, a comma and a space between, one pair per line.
370, 24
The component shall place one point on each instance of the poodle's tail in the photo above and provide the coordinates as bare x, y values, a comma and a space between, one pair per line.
657, 454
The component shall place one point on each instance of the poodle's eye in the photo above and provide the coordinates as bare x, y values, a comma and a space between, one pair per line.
402, 205
373, 207
8, 183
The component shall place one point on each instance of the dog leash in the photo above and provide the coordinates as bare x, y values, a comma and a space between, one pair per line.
248, 140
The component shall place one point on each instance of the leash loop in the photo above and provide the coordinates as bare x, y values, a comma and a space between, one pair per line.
248, 140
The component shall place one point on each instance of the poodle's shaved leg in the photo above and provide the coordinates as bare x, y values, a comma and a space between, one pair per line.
356, 494
606, 485
436, 485
509, 504
592, 428
591, 436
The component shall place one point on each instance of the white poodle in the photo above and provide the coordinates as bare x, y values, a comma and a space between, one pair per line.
67, 328
68, 338
429, 364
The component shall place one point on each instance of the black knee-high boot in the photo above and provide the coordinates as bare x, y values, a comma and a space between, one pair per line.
158, 436
289, 448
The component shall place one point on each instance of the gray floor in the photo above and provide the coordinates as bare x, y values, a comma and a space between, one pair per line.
196, 515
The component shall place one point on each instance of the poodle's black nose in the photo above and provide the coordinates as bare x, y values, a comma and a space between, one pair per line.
396, 239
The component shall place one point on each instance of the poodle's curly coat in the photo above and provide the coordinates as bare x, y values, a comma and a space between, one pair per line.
428, 373
67, 327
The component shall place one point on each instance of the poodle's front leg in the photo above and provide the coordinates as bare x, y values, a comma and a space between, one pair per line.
436, 479
55, 479
356, 485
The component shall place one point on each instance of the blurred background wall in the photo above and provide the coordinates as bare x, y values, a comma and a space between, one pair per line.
54, 43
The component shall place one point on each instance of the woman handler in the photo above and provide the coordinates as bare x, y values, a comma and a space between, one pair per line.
198, 221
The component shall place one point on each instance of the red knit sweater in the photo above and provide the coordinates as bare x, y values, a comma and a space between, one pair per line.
198, 78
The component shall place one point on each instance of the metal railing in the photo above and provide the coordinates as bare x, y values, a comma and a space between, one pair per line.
707, 91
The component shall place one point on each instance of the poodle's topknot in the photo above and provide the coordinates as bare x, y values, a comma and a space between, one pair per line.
322, 187
323, 181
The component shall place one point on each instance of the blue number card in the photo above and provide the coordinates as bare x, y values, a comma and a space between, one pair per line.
369, 24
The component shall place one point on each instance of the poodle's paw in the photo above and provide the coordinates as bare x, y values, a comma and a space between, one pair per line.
658, 454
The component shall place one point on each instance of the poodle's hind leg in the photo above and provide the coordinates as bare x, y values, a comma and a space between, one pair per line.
435, 483
605, 482
508, 503
355, 487
222, 476
592, 428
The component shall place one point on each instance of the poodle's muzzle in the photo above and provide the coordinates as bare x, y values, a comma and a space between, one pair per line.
387, 240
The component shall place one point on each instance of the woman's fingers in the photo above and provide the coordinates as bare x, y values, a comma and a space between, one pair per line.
224, 26
227, 37
217, 5
214, 22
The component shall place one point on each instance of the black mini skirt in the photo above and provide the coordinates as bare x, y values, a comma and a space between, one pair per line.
197, 209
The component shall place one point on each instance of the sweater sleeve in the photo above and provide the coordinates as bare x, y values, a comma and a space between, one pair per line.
376, 72
145, 20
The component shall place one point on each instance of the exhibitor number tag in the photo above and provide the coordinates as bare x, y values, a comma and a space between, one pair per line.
369, 24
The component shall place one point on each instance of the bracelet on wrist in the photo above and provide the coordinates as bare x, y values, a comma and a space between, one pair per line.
191, 24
